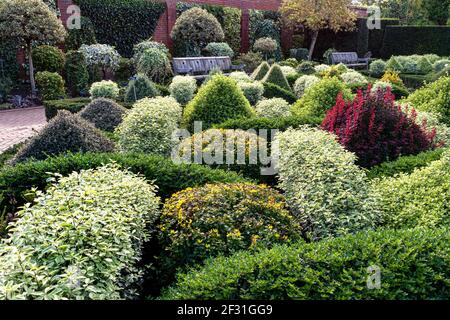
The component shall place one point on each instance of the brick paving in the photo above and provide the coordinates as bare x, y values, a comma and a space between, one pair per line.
19, 124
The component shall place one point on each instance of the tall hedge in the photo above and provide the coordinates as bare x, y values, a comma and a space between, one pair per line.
408, 40
376, 36
122, 23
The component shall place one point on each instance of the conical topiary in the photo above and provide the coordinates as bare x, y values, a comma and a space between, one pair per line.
65, 132
261, 71
104, 114
218, 100
139, 88
276, 76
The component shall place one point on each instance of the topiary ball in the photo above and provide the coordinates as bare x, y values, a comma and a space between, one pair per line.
104, 114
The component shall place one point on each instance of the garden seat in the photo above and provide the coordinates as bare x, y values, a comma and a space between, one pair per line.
350, 59
199, 67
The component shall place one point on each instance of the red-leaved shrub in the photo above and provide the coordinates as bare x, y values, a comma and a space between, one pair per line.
376, 129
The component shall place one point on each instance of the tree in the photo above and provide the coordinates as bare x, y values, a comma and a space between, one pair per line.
437, 11
319, 14
28, 21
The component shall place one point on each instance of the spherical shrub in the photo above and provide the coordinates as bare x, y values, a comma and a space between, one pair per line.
253, 91
266, 46
276, 76
48, 58
50, 85
353, 77
183, 88
83, 238
321, 97
221, 219
420, 199
193, 30
323, 185
377, 67
322, 68
141, 47
155, 64
376, 129
219, 49
393, 64
77, 37
261, 71
440, 65
434, 97
77, 74
273, 108
288, 71
240, 76
291, 62
251, 60
104, 89
218, 100
408, 65
101, 55
303, 83
103, 113
63, 133
216, 146
412, 263
149, 125
306, 67
140, 87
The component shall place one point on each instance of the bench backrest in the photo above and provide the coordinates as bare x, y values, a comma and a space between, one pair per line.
201, 64
344, 57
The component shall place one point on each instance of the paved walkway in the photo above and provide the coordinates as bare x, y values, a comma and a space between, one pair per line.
19, 124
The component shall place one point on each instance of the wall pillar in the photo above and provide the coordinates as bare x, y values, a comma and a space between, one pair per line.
287, 33
245, 30
171, 19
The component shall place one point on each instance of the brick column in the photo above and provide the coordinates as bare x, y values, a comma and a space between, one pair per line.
171, 19
21, 59
286, 38
245, 30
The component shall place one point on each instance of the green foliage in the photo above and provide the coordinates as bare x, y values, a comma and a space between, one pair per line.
149, 125
273, 108
434, 97
253, 91
299, 54
77, 37
420, 199
193, 30
193, 227
104, 89
404, 164
155, 64
261, 71
73, 105
266, 46
424, 65
306, 67
125, 70
377, 68
251, 60
280, 123
437, 11
103, 113
376, 36
8, 52
168, 176
50, 84
219, 49
303, 83
83, 238
321, 97
65, 132
322, 184
404, 40
183, 88
232, 27
48, 58
129, 21
218, 100
273, 91
412, 264
276, 76
6, 86
441, 65
77, 75
140, 87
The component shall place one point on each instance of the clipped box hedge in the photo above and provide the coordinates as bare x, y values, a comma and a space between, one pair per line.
168, 176
73, 105
413, 264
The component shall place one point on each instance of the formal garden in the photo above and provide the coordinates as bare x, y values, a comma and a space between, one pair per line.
191, 169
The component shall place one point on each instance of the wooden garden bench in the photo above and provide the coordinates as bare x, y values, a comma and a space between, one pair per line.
350, 59
199, 67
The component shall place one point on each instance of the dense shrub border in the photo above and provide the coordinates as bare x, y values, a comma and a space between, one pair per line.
168, 176
128, 22
413, 265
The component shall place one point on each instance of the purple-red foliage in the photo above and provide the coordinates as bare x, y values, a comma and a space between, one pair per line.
376, 129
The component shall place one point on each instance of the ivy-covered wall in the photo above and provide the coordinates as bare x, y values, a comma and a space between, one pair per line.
122, 23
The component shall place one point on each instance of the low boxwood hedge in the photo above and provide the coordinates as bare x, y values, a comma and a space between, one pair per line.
281, 124
73, 105
16, 181
405, 164
413, 264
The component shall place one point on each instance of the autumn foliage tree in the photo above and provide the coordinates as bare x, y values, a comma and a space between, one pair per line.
29, 21
319, 14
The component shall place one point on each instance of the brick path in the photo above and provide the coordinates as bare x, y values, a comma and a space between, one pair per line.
19, 124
